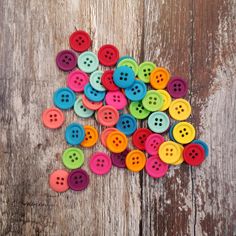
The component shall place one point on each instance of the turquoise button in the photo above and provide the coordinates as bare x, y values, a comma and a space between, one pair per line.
203, 144
81, 110
158, 122
95, 80
136, 91
171, 132
88, 62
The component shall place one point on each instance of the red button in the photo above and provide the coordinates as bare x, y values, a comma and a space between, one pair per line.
80, 41
108, 55
53, 118
139, 137
108, 116
107, 80
194, 154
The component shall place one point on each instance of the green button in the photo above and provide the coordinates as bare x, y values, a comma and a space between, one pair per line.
73, 158
138, 111
130, 63
81, 110
95, 80
153, 100
144, 71
158, 122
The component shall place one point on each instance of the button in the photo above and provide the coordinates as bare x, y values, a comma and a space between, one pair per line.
100, 163
117, 142
203, 144
153, 143
92, 94
64, 98
58, 181
73, 158
139, 137
90, 104
136, 91
107, 80
138, 111
177, 87
80, 41
88, 62
108, 55
116, 99
181, 159
107, 116
74, 134
194, 154
78, 180
155, 167
125, 57
166, 99
171, 132
184, 132
144, 71
180, 109
81, 110
66, 60
91, 136
95, 80
169, 152
132, 64
105, 134
53, 118
127, 124
123, 77
118, 159
76, 80
135, 160
159, 78
153, 100
158, 122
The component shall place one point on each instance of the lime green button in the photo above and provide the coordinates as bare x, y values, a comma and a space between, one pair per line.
73, 158
138, 111
130, 63
153, 101
144, 71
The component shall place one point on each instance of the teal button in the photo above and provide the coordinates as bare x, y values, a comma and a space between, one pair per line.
88, 62
130, 63
95, 80
158, 122
81, 110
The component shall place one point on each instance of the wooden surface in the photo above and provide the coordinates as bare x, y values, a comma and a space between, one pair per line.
194, 39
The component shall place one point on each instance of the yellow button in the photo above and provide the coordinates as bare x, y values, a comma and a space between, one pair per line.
135, 160
117, 142
184, 132
181, 159
159, 78
180, 109
166, 99
91, 136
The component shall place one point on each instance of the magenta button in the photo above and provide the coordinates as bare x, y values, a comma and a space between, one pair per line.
76, 80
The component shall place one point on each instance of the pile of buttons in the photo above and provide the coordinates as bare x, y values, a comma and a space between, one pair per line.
149, 92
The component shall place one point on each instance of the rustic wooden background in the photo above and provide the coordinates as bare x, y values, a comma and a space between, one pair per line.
192, 38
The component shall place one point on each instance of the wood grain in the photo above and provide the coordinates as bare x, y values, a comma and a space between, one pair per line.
194, 39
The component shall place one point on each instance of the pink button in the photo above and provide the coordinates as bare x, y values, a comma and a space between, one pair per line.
116, 99
100, 163
91, 105
152, 143
76, 80
105, 134
155, 167
108, 116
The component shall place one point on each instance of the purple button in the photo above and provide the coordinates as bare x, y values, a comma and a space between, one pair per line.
66, 60
78, 180
118, 159
177, 87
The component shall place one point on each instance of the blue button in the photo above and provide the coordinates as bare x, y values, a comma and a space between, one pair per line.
125, 57
92, 94
127, 124
123, 77
64, 98
74, 134
203, 144
171, 132
136, 91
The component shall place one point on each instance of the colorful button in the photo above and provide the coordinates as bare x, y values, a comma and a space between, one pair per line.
159, 78
153, 100
138, 111
107, 116
64, 98
144, 71
181, 159
171, 132
158, 122
88, 62
127, 124
155, 167
95, 80
80, 41
116, 99
135, 160
180, 109
125, 57
139, 137
76, 80
123, 77
136, 91
166, 99
184, 132
53, 118
91, 136
194, 154
169, 152
177, 87
93, 95
58, 181
203, 144
105, 134
90, 104
81, 110
107, 80
118, 159
78, 180
73, 158
132, 64
100, 163
74, 134
108, 55
66, 60
153, 143
116, 142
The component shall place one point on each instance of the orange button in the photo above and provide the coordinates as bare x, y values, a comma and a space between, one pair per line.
135, 160
91, 136
159, 78
117, 142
